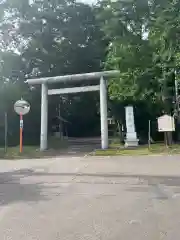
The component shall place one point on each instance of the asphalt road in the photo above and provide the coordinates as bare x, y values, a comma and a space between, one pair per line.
90, 199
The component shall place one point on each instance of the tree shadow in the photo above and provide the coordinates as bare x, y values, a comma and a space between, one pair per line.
12, 190
156, 185
170, 180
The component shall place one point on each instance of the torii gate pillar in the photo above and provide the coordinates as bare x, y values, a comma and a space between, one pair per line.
44, 117
103, 112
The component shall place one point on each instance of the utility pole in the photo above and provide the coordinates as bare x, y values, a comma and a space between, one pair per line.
177, 105
5, 132
176, 91
59, 118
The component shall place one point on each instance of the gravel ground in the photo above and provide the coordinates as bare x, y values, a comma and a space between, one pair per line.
90, 198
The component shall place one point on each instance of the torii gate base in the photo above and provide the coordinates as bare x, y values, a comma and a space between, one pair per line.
87, 76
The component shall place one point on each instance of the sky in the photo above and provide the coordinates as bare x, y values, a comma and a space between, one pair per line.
87, 1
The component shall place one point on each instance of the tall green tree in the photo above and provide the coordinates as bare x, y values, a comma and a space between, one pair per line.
144, 46
129, 51
51, 38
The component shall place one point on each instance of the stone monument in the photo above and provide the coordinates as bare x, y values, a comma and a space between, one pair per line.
131, 135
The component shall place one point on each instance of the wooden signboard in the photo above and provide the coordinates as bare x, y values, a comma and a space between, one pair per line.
166, 123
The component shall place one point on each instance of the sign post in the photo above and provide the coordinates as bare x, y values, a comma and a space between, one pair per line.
21, 107
21, 134
166, 124
5, 132
149, 134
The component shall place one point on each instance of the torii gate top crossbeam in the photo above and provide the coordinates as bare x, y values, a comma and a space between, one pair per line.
75, 77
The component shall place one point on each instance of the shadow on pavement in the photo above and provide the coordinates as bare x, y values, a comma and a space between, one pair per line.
13, 190
152, 179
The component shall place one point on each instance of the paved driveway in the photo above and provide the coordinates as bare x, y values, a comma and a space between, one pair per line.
90, 198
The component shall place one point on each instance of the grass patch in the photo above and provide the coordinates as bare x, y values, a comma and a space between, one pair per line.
28, 152
140, 150
116, 145
55, 147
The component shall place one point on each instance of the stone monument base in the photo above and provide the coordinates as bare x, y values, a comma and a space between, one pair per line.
131, 142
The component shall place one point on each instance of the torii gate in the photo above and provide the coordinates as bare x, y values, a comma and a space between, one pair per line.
68, 78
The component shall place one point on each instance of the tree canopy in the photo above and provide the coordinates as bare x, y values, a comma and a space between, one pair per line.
55, 37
